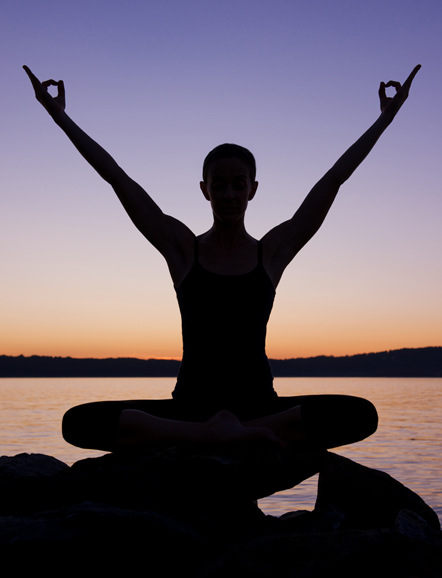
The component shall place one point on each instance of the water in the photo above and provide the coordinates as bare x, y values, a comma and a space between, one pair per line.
407, 445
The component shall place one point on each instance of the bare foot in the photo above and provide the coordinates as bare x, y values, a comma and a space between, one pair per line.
225, 428
286, 425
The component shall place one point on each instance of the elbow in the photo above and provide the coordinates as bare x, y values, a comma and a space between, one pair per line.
336, 177
117, 178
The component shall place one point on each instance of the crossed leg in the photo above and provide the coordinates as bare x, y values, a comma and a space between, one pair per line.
326, 420
137, 428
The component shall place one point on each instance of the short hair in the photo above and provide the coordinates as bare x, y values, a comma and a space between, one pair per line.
229, 150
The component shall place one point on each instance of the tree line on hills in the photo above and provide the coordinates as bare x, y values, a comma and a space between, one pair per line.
421, 362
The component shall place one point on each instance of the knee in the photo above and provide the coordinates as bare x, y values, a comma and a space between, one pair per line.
93, 425
337, 420
369, 417
70, 426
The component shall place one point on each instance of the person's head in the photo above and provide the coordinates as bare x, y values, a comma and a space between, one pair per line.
229, 181
226, 151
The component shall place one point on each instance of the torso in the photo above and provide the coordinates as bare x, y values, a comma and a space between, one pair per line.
224, 317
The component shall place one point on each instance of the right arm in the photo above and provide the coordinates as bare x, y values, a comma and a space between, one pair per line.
168, 235
284, 241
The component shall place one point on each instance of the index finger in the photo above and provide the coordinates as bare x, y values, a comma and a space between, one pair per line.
58, 83
49, 82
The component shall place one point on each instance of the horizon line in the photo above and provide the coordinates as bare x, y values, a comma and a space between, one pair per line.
180, 358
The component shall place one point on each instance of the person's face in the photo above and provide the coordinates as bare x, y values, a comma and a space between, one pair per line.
229, 188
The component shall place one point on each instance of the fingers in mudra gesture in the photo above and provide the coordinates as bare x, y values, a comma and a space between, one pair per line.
391, 105
50, 103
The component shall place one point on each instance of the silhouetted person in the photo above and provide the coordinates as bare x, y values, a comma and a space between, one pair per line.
225, 282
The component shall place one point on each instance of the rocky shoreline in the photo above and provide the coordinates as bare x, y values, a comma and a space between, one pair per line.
182, 511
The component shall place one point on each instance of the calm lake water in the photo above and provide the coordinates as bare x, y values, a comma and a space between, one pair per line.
407, 445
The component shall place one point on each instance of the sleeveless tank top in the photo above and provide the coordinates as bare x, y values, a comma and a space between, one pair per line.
224, 324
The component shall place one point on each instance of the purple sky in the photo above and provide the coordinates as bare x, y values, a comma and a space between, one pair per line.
159, 84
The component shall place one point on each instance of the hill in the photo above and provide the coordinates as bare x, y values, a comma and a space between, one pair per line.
423, 362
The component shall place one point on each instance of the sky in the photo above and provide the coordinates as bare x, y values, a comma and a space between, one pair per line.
158, 85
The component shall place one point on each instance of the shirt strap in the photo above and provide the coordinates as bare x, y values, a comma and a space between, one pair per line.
196, 250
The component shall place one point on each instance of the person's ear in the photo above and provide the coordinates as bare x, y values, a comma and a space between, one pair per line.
203, 187
253, 191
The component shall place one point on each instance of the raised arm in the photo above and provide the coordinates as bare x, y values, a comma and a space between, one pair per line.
167, 234
285, 240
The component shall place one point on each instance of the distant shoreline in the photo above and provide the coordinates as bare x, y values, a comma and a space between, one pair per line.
420, 362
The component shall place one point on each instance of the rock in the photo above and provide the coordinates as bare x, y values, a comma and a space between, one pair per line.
94, 538
183, 511
381, 553
234, 473
330, 519
214, 491
373, 498
410, 524
25, 465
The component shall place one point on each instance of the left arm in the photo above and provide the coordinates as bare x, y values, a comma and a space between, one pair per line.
284, 241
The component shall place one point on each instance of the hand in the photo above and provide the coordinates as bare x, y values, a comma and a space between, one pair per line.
389, 105
53, 105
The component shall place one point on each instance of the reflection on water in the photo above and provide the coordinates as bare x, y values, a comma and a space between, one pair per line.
407, 445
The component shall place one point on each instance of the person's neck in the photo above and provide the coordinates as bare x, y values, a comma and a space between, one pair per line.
229, 236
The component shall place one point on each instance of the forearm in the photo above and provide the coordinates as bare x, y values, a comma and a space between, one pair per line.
353, 157
316, 205
95, 155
